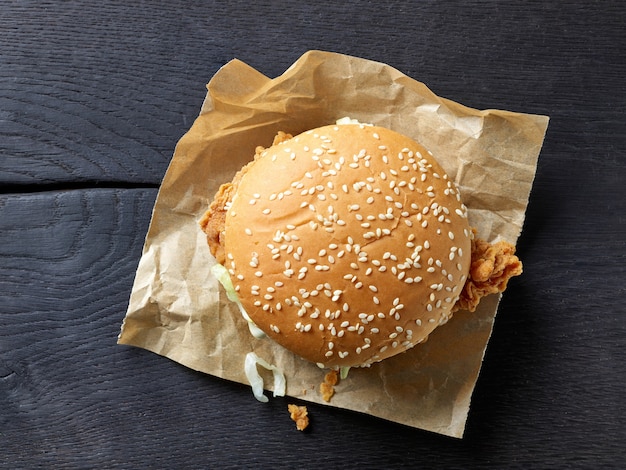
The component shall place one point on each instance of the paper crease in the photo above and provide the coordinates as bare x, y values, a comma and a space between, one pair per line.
176, 307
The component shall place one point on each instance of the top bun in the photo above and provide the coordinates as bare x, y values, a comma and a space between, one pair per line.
347, 244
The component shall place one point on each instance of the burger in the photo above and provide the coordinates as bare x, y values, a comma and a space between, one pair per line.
348, 244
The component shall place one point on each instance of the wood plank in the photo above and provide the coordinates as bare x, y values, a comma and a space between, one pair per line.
104, 91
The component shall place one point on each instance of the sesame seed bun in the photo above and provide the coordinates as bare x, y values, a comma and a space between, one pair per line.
347, 244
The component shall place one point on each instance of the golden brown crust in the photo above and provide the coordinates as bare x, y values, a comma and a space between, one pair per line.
351, 254
492, 267
214, 219
300, 415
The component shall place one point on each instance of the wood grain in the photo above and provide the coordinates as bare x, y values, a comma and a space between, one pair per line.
94, 97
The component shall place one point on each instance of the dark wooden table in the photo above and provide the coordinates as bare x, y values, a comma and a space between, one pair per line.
94, 97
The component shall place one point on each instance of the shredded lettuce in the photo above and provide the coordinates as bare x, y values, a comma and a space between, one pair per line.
343, 372
252, 360
221, 274
256, 381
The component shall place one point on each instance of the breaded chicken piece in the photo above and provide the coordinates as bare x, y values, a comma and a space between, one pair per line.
492, 267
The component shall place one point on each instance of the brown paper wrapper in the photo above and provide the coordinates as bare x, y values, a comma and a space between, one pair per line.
177, 309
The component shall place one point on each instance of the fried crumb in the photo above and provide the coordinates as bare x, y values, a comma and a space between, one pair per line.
327, 387
300, 415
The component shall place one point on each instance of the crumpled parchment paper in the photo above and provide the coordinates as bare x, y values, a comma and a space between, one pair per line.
177, 309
